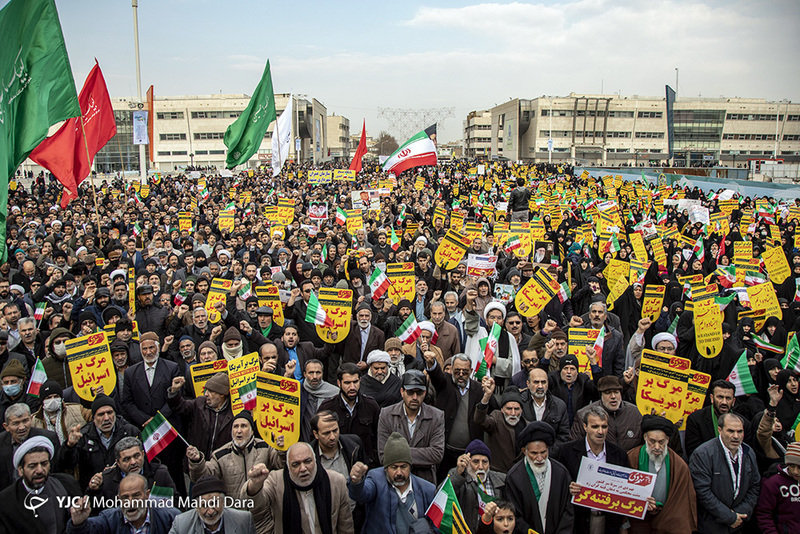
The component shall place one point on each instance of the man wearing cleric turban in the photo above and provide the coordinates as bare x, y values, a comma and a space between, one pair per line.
538, 485
673, 506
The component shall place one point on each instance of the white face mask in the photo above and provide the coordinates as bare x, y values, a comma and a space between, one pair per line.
52, 405
60, 349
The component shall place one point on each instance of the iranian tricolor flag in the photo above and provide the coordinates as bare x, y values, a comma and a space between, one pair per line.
662, 218
323, 257
402, 216
483, 498
674, 325
489, 346
409, 331
378, 283
612, 245
315, 313
699, 250
38, 313
445, 512
753, 278
161, 493
230, 206
740, 377
726, 275
513, 244
137, 230
246, 290
180, 297
417, 151
761, 344
157, 435
792, 359
564, 293
797, 289
38, 377
247, 394
598, 345
394, 241
341, 216
204, 194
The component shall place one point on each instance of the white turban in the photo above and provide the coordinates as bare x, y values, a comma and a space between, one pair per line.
378, 356
28, 444
118, 272
665, 336
427, 325
494, 305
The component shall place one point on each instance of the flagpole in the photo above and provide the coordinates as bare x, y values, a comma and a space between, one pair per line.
91, 176
173, 428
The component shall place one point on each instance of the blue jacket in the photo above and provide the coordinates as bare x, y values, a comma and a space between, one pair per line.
111, 521
380, 500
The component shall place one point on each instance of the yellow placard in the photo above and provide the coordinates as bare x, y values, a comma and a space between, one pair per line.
277, 410
285, 212
456, 220
535, 294
451, 250
344, 174
777, 266
201, 372
523, 231
131, 288
184, 221
241, 371
401, 277
763, 297
269, 296
639, 250
355, 221
579, 339
144, 191
338, 305
225, 221
668, 384
615, 269
217, 292
653, 300
90, 365
708, 328
742, 251
617, 290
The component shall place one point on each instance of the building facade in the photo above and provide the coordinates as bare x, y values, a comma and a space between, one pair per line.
339, 138
478, 134
189, 130
632, 130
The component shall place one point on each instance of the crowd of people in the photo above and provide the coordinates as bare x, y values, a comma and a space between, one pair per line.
386, 419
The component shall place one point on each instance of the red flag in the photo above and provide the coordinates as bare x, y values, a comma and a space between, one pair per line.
355, 165
64, 153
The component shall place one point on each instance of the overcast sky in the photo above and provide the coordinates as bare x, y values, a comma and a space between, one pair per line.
357, 56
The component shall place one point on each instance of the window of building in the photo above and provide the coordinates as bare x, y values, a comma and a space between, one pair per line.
162, 115
163, 153
215, 114
209, 135
791, 137
752, 117
749, 137
621, 114
172, 137
649, 135
178, 152
793, 118
201, 152
216, 152
650, 114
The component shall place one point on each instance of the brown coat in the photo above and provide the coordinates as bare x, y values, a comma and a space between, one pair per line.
270, 498
679, 513
449, 341
71, 415
501, 437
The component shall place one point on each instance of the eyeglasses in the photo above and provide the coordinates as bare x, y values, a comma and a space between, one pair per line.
460, 371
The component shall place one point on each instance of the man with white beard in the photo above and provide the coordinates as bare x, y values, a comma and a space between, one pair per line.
539, 486
134, 512
673, 505
501, 426
471, 477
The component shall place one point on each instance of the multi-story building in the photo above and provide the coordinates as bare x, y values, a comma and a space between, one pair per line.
189, 130
339, 137
632, 130
478, 134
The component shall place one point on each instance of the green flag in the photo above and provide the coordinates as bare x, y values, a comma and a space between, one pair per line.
36, 87
244, 136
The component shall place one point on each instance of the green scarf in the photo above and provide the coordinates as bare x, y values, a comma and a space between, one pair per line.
265, 331
535, 483
714, 422
644, 465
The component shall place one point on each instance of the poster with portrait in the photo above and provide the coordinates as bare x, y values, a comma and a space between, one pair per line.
318, 210
542, 252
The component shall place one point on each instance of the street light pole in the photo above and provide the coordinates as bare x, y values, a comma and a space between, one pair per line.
142, 155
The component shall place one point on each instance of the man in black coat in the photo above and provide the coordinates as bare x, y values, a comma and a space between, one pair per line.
291, 348
18, 430
457, 396
296, 310
37, 511
356, 414
595, 447
95, 449
150, 316
701, 425
379, 383
575, 389
551, 481
540, 405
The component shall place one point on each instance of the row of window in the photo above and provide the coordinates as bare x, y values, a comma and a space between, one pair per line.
568, 133
759, 117
201, 136
602, 113
748, 137
196, 153
649, 135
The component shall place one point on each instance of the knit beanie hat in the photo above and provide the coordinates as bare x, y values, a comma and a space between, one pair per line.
476, 446
100, 401
207, 484
396, 450
13, 368
208, 345
232, 333
50, 387
792, 453
219, 384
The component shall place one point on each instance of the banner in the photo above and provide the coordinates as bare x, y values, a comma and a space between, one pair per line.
269, 296
620, 286
763, 297
668, 384
708, 328
579, 339
285, 214
523, 231
277, 410
225, 221
140, 128
535, 295
355, 221
184, 221
344, 174
338, 305
318, 210
90, 365
241, 371
504, 292
202, 372
653, 299
131, 288
401, 278
217, 292
742, 252
615, 489
450, 250
481, 265
615, 269
777, 266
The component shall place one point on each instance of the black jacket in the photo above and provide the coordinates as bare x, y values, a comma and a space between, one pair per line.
555, 414
448, 400
16, 518
153, 471
363, 423
700, 428
152, 319
7, 470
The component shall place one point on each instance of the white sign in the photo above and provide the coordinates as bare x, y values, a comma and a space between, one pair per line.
699, 214
481, 265
140, 128
615, 489
481, 170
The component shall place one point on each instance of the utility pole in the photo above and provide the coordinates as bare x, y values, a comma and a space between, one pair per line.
142, 155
